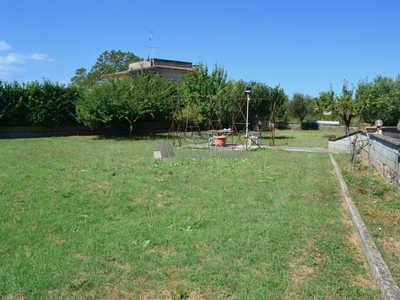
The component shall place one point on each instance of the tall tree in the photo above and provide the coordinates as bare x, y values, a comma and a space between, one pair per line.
107, 63
124, 100
200, 82
258, 108
300, 106
381, 98
348, 106
325, 102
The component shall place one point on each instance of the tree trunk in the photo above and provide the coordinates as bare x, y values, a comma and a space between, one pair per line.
131, 125
130, 130
347, 125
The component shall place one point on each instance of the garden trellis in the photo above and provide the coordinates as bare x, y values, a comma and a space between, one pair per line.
179, 128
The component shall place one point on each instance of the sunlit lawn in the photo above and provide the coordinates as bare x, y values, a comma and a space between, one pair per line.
100, 218
302, 138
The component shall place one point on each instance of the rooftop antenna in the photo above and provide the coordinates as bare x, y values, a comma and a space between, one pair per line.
151, 45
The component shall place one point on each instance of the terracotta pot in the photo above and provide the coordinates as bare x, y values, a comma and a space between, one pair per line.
372, 129
365, 125
220, 141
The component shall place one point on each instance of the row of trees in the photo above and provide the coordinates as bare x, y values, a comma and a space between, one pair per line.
122, 101
119, 102
379, 99
146, 95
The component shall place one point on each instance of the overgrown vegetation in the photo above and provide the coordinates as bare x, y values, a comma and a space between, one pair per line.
99, 218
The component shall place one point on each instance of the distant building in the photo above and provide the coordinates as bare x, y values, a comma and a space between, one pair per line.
170, 69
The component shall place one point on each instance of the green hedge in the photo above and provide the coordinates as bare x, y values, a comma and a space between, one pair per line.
38, 104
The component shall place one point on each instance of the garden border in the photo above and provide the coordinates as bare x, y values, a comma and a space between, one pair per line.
383, 277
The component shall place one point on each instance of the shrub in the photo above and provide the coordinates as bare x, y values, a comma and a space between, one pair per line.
37, 104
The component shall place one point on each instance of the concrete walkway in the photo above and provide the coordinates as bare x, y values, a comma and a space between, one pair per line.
302, 149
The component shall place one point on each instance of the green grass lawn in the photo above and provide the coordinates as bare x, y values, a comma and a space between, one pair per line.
302, 138
90, 218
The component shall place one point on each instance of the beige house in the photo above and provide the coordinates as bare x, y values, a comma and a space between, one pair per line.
170, 69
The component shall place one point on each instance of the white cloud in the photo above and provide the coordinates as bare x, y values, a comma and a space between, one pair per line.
15, 58
8, 62
38, 56
4, 46
65, 80
6, 70
12, 58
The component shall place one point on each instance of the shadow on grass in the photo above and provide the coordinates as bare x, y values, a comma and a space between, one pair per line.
284, 137
309, 126
143, 137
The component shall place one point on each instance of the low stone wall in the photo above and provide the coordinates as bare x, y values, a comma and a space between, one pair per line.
307, 126
391, 131
35, 131
385, 153
151, 127
342, 144
384, 150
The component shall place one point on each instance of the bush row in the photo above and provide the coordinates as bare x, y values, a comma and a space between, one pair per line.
38, 104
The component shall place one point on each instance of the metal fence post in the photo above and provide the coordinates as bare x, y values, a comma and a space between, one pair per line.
369, 163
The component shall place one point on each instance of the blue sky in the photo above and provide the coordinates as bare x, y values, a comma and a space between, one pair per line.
305, 46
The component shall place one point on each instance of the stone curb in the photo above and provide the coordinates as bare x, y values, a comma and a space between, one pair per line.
302, 149
383, 277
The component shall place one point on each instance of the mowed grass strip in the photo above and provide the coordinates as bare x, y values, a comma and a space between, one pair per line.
302, 138
100, 218
380, 210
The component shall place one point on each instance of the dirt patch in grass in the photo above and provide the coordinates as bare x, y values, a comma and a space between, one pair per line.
162, 250
103, 185
302, 273
56, 239
81, 256
121, 266
113, 293
301, 269
195, 295
362, 282
15, 297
